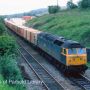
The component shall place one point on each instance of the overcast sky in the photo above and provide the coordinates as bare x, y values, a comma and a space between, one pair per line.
18, 6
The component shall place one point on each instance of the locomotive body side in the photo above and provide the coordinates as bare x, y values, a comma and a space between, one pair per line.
51, 48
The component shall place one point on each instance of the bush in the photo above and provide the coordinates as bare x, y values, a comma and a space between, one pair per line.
2, 28
53, 9
10, 71
5, 86
7, 45
9, 68
84, 4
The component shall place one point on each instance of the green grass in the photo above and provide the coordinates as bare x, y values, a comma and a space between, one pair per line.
5, 86
73, 24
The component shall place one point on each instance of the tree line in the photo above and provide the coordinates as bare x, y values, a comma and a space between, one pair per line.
82, 4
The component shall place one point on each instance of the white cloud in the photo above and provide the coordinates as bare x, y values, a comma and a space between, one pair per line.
16, 6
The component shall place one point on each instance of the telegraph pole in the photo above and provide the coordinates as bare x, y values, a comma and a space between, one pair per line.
57, 6
57, 3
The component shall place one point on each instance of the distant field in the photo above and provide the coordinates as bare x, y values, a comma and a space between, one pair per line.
73, 24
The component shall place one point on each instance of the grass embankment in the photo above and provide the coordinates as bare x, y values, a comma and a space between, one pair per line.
9, 70
73, 24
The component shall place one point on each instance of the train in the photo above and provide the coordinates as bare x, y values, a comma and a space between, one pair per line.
71, 56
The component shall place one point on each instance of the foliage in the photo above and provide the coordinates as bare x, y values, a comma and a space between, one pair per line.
5, 86
2, 28
72, 24
9, 68
71, 5
7, 45
53, 9
84, 4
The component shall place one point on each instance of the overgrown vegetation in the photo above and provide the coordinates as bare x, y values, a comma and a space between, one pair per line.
4, 86
9, 69
53, 9
84, 4
72, 24
7, 45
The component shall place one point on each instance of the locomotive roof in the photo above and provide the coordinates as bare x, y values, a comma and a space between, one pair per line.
61, 41
50, 36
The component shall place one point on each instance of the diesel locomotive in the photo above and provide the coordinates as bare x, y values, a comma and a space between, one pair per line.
70, 55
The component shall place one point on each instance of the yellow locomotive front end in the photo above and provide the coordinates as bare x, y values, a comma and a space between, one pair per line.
76, 60
76, 56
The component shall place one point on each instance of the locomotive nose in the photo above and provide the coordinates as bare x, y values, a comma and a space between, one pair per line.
76, 60
76, 56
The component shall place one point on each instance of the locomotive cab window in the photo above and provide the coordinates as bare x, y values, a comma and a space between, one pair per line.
81, 51
72, 51
64, 51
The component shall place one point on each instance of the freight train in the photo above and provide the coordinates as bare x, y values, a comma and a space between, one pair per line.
70, 55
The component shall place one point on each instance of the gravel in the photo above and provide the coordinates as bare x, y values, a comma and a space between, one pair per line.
34, 83
87, 73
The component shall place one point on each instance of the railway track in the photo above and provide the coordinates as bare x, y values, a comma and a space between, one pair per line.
43, 84
81, 81
48, 81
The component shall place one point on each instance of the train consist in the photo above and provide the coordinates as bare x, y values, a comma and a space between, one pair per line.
70, 55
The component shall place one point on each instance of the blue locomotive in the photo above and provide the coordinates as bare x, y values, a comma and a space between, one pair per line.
70, 55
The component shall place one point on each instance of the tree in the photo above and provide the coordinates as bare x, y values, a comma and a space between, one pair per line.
84, 4
71, 5
53, 9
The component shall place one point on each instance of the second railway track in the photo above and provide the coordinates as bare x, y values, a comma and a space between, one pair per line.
81, 81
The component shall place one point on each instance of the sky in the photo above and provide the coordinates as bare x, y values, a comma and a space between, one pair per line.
19, 6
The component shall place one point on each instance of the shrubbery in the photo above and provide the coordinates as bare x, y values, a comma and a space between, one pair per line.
7, 45
84, 4
9, 68
2, 28
53, 9
8, 55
